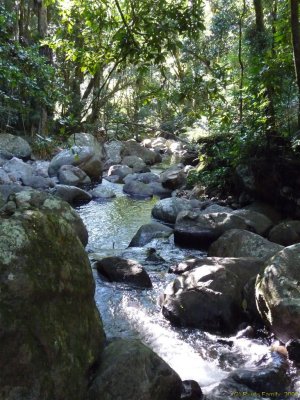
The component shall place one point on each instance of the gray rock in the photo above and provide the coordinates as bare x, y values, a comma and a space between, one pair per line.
38, 182
216, 208
259, 223
278, 293
113, 153
101, 192
265, 209
132, 148
18, 169
73, 176
71, 194
136, 163
167, 209
148, 232
7, 189
15, 145
285, 233
196, 230
87, 139
46, 294
146, 177
131, 371
173, 177
270, 377
4, 177
121, 171
30, 199
130, 272
200, 299
83, 157
138, 189
241, 243
244, 267
159, 190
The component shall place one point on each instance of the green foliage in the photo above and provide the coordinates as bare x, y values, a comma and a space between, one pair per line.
27, 81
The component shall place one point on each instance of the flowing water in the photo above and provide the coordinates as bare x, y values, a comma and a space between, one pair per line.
131, 313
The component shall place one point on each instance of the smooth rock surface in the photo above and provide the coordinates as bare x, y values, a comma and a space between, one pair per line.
196, 230
15, 145
131, 371
148, 232
167, 209
130, 272
278, 293
241, 243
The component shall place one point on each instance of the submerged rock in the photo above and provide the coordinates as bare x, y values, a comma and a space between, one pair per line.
131, 371
50, 332
130, 272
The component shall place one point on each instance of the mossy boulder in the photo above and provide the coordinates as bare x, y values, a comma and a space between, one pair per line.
33, 199
51, 334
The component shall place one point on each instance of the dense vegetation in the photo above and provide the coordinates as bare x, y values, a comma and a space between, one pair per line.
229, 69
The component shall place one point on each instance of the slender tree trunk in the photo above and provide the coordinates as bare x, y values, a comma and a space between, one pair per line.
241, 86
263, 48
296, 46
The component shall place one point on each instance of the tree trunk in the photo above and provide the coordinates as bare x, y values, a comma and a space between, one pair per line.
296, 46
262, 39
241, 86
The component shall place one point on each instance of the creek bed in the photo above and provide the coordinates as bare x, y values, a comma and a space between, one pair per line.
131, 313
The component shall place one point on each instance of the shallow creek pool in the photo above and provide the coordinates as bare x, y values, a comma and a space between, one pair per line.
130, 313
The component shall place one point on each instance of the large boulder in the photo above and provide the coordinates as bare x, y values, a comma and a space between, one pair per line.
241, 243
136, 163
83, 157
130, 272
73, 176
145, 177
197, 230
101, 192
51, 335
148, 232
18, 169
120, 172
132, 148
244, 267
159, 190
131, 371
138, 189
15, 145
286, 233
278, 293
200, 299
33, 199
113, 153
167, 209
173, 177
4, 177
87, 139
268, 380
258, 222
71, 194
